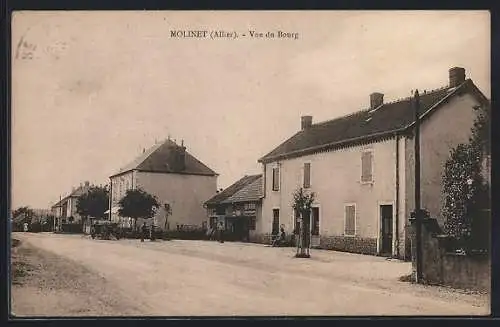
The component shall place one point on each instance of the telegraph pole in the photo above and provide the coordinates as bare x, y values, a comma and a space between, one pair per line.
418, 215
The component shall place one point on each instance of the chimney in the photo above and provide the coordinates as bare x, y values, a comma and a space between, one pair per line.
182, 156
376, 100
457, 76
178, 160
87, 183
306, 122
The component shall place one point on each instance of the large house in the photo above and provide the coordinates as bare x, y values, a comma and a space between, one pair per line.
239, 208
361, 168
174, 176
65, 209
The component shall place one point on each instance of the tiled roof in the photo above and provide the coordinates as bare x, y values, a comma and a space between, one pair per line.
250, 192
388, 118
139, 160
74, 194
161, 158
242, 190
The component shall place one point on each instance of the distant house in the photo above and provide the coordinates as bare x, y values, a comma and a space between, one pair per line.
239, 207
65, 209
174, 176
361, 167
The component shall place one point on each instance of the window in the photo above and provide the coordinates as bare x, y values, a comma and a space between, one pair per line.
276, 221
220, 210
252, 222
307, 175
249, 206
350, 220
366, 167
315, 221
276, 179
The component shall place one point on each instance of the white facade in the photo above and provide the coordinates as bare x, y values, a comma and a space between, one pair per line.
336, 180
184, 192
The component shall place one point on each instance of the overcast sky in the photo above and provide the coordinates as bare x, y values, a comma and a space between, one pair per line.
90, 90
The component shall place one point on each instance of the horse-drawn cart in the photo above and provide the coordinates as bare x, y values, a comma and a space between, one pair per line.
104, 230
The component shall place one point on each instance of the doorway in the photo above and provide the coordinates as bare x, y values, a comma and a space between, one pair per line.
386, 222
276, 222
315, 227
240, 229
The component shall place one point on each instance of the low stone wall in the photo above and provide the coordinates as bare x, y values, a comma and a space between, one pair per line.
467, 271
349, 244
337, 243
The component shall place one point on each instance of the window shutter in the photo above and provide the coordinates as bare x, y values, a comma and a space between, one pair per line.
307, 175
366, 167
276, 179
350, 220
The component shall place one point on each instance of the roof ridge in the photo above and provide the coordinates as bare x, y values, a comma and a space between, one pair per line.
341, 117
389, 102
424, 92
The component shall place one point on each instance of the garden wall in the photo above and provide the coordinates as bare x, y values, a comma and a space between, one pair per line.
443, 267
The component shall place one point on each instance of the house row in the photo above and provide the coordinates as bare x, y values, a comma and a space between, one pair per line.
65, 210
165, 170
361, 169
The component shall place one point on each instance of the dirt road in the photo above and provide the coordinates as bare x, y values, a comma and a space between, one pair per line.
182, 278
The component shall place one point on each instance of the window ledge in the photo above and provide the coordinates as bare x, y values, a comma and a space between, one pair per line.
367, 182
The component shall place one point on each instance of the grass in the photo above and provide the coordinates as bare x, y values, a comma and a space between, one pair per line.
20, 268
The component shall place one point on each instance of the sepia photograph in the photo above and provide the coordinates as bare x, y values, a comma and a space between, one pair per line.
250, 163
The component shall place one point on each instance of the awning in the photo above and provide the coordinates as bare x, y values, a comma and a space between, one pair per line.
113, 210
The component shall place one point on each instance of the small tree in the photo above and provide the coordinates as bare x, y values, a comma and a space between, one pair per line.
138, 204
302, 203
93, 203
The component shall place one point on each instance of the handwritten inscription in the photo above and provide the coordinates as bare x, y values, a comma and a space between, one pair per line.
25, 50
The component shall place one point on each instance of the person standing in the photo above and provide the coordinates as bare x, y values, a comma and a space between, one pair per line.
152, 232
221, 232
143, 231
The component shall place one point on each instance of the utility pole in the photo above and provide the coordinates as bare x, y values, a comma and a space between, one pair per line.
110, 197
418, 214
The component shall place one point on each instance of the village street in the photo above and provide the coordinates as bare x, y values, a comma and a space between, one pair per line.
182, 278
